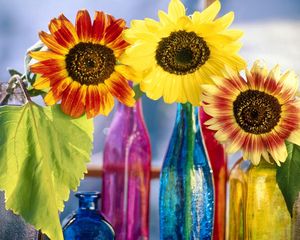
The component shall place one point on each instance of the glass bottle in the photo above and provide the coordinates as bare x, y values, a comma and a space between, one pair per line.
296, 220
126, 174
186, 203
87, 223
257, 209
218, 161
13, 226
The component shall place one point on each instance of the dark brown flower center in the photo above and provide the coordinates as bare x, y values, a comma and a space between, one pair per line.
256, 112
89, 63
182, 52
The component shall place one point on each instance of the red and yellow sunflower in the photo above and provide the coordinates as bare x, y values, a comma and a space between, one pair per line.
256, 116
81, 66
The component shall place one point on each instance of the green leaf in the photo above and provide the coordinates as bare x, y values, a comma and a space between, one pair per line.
138, 92
43, 155
13, 72
288, 176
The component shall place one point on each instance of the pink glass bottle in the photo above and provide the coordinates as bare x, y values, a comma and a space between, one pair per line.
126, 174
218, 161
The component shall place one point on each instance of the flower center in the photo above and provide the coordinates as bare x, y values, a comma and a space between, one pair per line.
182, 52
89, 63
256, 112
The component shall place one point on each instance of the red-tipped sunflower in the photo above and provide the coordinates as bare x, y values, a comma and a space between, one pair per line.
257, 115
81, 65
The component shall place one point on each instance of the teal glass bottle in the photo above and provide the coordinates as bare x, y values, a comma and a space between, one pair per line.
186, 201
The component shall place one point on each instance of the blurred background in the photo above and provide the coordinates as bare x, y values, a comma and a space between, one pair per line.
272, 33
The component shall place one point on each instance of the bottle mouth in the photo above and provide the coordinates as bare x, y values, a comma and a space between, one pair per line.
90, 194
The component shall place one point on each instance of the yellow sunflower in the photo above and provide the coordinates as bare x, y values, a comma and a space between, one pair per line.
174, 56
257, 115
81, 65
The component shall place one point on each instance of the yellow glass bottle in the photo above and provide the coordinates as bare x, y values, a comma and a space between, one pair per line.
296, 220
257, 210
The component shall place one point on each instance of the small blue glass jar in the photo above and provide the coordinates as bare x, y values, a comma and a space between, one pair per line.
87, 223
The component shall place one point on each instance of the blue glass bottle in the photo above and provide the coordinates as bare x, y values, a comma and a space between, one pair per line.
186, 201
87, 223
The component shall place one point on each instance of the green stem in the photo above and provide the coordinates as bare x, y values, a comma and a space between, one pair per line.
190, 118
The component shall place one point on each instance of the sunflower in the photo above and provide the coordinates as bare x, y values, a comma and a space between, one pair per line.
174, 56
81, 65
256, 116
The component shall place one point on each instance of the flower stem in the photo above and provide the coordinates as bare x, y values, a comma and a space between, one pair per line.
189, 168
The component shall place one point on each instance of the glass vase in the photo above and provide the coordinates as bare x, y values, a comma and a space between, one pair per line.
186, 202
296, 219
13, 226
257, 209
87, 223
218, 162
126, 174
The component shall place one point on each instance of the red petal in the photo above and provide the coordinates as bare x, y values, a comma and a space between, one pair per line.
47, 66
99, 26
83, 25
52, 43
114, 30
92, 101
119, 87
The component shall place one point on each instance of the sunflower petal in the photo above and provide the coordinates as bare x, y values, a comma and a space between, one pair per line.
106, 99
83, 25
92, 101
55, 94
176, 9
208, 14
99, 26
295, 137
59, 29
126, 71
52, 44
41, 83
44, 55
119, 87
114, 30
69, 97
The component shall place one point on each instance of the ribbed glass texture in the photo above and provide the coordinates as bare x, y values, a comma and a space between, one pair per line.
186, 201
87, 223
126, 177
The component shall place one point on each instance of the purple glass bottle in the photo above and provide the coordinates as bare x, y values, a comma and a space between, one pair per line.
126, 174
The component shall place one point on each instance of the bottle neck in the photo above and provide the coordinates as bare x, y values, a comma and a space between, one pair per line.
88, 200
187, 115
130, 115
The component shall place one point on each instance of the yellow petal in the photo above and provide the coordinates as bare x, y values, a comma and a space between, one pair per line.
126, 71
279, 154
164, 18
260, 68
208, 14
295, 137
176, 9
225, 21
275, 73
290, 82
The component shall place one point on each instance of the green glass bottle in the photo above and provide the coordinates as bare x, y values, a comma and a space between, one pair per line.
257, 209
